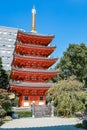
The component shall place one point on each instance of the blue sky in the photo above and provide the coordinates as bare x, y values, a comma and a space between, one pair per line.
66, 19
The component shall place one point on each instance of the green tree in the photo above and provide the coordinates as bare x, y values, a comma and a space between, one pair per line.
74, 62
5, 102
2, 113
68, 96
4, 80
7, 106
15, 102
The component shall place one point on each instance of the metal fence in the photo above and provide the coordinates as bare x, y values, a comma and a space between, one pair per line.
42, 111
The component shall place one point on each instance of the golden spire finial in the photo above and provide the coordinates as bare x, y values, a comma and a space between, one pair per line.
33, 20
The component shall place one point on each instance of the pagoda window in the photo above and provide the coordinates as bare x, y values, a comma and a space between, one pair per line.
41, 98
26, 98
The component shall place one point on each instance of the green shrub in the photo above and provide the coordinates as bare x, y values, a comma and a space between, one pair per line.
2, 112
1, 122
6, 105
81, 126
24, 113
15, 102
68, 96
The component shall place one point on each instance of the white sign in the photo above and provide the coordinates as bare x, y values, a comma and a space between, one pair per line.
41, 103
26, 104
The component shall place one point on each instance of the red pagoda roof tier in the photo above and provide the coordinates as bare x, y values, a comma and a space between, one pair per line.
32, 74
34, 50
33, 62
34, 38
32, 91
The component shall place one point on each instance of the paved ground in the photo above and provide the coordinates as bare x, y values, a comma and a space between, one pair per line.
40, 122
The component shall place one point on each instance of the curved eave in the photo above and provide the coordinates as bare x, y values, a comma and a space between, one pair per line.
27, 74
33, 57
35, 34
34, 50
34, 70
32, 84
23, 61
34, 38
34, 46
28, 90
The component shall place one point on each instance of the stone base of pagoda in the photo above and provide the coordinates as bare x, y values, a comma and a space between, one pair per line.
27, 101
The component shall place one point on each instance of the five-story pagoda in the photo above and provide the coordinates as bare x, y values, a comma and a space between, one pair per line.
30, 66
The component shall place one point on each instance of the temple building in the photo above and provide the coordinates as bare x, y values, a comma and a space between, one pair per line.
30, 66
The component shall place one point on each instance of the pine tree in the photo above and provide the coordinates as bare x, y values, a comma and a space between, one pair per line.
4, 81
